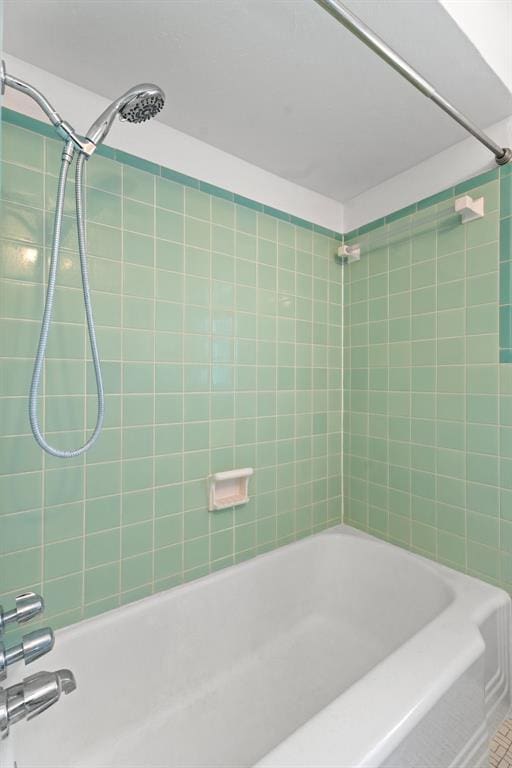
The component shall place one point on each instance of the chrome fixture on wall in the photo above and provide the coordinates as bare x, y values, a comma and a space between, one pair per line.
36, 692
27, 605
64, 129
32, 647
353, 23
137, 105
32, 696
140, 103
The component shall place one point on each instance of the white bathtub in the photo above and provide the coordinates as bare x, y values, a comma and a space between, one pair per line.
338, 650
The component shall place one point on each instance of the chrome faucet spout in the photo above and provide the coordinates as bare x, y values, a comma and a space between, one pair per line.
32, 696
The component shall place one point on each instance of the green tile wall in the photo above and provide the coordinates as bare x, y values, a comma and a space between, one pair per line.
220, 329
428, 425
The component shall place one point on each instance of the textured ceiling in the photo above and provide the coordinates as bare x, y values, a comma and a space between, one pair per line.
276, 82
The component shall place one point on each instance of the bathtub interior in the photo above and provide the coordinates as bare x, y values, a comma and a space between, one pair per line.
220, 671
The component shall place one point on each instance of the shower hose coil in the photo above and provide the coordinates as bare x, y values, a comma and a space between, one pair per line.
67, 157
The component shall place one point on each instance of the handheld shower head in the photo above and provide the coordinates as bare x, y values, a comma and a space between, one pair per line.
144, 106
140, 103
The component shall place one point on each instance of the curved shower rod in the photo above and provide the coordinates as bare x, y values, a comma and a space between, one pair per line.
358, 28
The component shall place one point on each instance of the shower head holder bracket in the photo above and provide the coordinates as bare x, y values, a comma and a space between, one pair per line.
64, 129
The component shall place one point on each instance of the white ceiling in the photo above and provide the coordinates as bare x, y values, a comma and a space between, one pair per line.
276, 82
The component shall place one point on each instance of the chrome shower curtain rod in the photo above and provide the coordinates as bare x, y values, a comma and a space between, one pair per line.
358, 28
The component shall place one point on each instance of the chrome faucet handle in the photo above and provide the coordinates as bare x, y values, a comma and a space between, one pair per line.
28, 605
32, 696
32, 646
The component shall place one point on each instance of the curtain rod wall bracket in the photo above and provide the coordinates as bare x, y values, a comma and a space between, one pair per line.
506, 156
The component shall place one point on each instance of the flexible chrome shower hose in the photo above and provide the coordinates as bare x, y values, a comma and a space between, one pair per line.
67, 157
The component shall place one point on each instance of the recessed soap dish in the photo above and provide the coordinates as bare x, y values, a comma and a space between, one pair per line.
229, 489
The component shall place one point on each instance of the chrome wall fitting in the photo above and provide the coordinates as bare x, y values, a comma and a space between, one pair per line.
36, 692
32, 647
32, 696
506, 157
64, 129
28, 605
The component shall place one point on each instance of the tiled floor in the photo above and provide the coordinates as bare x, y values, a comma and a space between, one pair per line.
500, 754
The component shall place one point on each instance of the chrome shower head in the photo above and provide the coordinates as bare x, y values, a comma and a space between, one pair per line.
144, 106
140, 103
